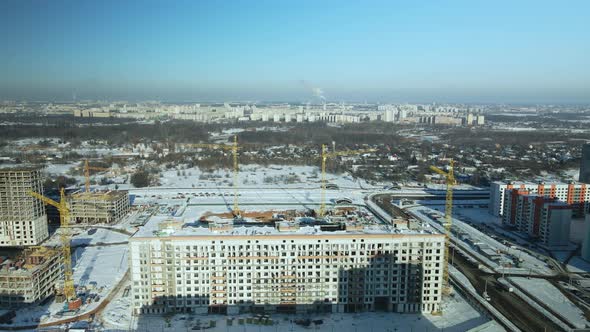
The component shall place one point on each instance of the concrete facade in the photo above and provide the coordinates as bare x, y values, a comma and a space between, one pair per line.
546, 219
287, 271
30, 278
23, 221
98, 208
585, 164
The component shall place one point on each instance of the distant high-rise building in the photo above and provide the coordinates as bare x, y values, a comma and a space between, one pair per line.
585, 164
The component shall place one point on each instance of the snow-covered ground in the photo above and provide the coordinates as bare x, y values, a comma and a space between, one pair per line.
458, 316
98, 236
256, 176
548, 294
103, 265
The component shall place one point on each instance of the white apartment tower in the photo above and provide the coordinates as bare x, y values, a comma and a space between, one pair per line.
23, 221
289, 268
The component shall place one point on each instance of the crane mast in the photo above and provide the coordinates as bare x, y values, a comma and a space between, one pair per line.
87, 169
450, 181
64, 218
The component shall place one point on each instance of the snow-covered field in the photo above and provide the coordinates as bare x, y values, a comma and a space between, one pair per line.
256, 176
99, 236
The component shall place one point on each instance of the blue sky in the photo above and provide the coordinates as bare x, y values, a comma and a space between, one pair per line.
399, 51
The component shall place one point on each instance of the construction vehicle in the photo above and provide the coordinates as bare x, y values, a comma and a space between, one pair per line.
234, 149
64, 218
450, 181
325, 156
87, 169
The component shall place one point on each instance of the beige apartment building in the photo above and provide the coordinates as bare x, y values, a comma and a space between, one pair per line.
98, 207
290, 268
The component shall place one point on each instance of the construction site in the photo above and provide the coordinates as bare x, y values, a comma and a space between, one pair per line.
106, 207
315, 247
29, 277
35, 266
23, 221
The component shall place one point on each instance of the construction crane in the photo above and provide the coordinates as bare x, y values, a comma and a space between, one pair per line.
450, 180
234, 149
325, 156
64, 218
87, 169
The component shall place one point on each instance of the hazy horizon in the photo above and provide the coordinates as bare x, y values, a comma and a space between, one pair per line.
530, 52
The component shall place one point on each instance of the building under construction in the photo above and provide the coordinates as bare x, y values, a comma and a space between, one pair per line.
22, 218
29, 277
98, 207
346, 263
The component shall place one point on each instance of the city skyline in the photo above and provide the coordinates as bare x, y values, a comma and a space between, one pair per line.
530, 52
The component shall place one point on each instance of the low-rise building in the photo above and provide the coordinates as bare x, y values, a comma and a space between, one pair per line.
29, 278
98, 207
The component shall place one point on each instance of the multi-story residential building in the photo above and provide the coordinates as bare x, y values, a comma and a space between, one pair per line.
98, 207
22, 217
575, 194
287, 268
29, 278
544, 218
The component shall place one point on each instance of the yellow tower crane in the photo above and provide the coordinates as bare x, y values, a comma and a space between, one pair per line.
450, 180
325, 156
64, 219
87, 169
234, 149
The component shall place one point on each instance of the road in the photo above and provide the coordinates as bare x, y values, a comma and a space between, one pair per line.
510, 305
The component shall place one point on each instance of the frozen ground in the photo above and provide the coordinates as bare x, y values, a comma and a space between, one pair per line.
104, 265
458, 316
100, 236
546, 293
257, 176
59, 169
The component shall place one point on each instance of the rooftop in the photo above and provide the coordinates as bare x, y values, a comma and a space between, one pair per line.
110, 195
351, 223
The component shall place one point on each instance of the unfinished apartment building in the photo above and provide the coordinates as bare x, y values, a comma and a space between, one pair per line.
289, 268
23, 220
98, 207
30, 277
